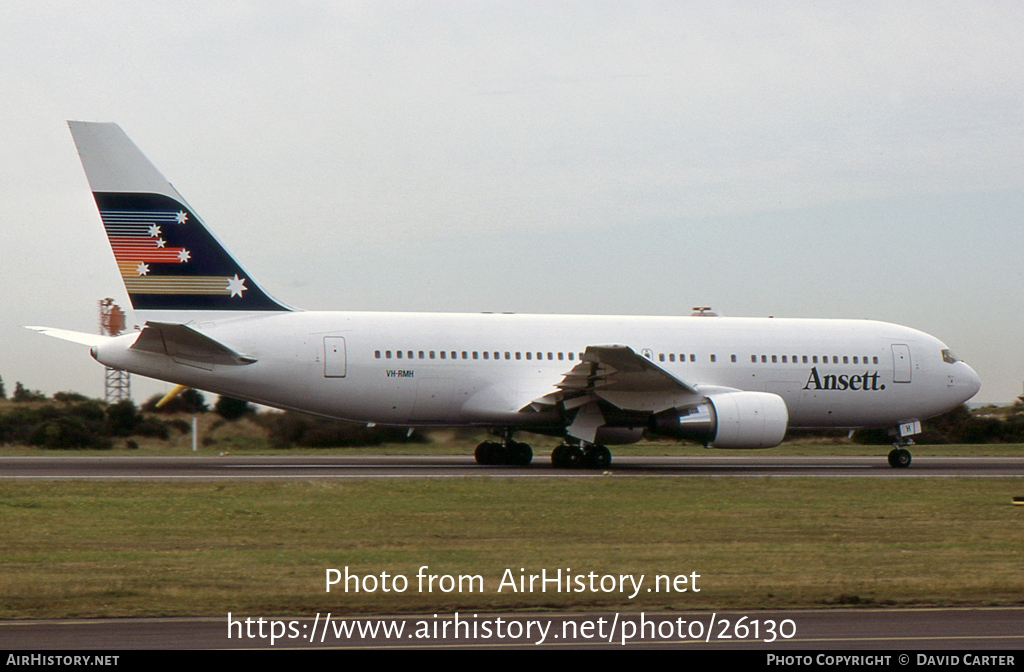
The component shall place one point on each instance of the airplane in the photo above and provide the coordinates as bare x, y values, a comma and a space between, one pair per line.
594, 381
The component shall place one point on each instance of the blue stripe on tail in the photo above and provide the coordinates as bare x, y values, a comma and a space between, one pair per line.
169, 261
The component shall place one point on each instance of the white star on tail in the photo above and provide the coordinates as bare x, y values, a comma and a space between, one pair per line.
142, 269
181, 217
154, 231
183, 256
236, 285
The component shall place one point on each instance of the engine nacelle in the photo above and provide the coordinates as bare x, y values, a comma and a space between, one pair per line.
728, 420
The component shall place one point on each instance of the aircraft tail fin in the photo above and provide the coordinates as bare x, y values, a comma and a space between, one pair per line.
169, 260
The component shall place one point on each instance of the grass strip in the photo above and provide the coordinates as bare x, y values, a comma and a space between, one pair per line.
85, 549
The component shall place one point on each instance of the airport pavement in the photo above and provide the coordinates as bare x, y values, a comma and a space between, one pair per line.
849, 629
445, 466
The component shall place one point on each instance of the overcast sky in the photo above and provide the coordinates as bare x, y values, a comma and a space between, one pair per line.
792, 159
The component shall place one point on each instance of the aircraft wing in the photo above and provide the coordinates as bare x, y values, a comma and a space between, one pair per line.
617, 375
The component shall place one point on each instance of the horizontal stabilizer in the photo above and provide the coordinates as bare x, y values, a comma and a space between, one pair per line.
73, 336
187, 346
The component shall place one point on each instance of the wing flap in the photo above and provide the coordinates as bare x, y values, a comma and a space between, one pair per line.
618, 376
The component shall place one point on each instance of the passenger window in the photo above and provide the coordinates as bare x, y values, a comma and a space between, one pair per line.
560, 356
874, 360
693, 358
518, 355
764, 359
714, 358
529, 355
661, 356
443, 354
410, 354
784, 360
432, 354
508, 355
854, 360
672, 357
398, 353
835, 359
376, 354
550, 357
465, 355
846, 360
775, 359
732, 357
387, 354
814, 359
476, 355
571, 355
805, 359
421, 354
753, 359
485, 355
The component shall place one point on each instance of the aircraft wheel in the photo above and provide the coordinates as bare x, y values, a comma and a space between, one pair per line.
899, 458
521, 454
488, 453
566, 457
600, 457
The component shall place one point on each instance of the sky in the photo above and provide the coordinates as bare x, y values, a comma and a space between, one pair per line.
825, 159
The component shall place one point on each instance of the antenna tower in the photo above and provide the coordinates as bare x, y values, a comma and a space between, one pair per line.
118, 383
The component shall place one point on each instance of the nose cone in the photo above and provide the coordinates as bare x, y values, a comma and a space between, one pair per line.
967, 381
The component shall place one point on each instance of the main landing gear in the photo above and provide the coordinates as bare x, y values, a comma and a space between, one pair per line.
583, 455
899, 457
507, 453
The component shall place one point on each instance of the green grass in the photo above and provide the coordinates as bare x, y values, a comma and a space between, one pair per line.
84, 549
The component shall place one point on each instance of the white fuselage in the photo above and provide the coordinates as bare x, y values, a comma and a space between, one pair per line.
388, 368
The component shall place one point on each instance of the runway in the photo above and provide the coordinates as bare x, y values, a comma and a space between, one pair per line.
967, 629
306, 467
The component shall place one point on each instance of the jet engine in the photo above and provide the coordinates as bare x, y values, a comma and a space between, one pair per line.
728, 420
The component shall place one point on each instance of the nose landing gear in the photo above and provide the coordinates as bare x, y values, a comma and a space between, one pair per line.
899, 456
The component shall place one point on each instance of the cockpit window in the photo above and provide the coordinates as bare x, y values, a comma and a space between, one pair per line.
948, 357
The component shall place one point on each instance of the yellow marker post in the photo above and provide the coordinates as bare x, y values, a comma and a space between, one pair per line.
175, 391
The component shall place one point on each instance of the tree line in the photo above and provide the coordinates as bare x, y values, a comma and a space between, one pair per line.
72, 420
69, 420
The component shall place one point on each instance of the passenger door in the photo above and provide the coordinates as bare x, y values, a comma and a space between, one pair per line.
900, 363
